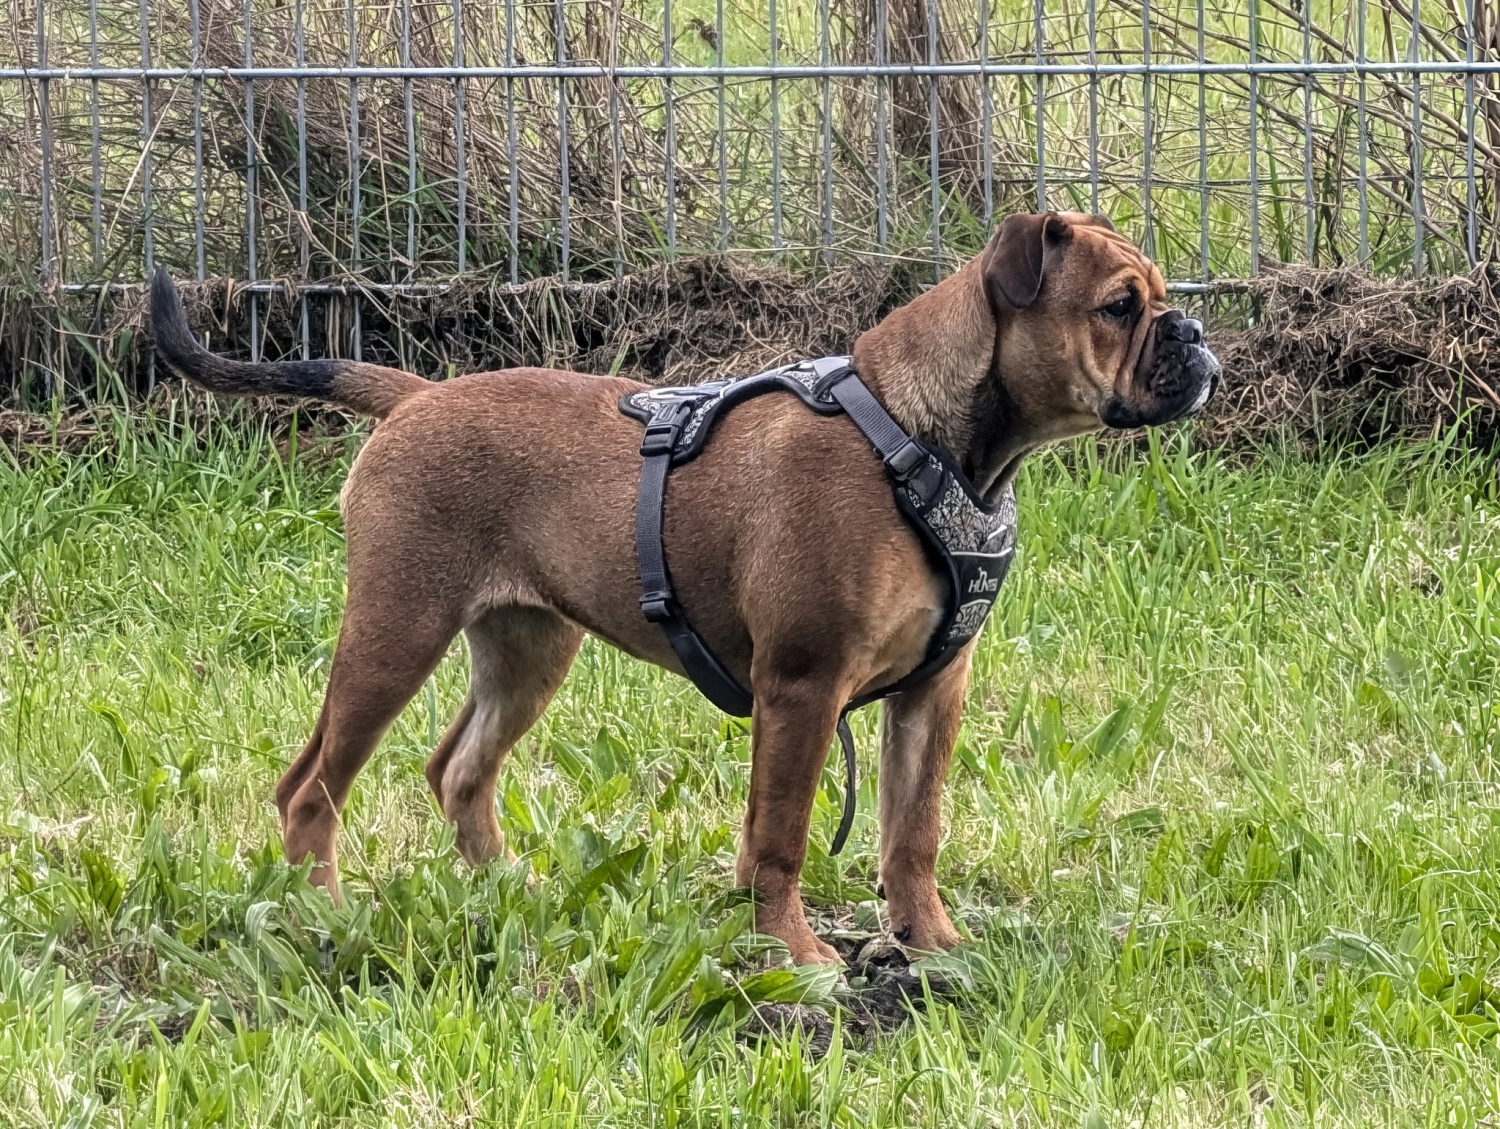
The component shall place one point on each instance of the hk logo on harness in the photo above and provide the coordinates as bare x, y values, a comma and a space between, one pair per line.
984, 584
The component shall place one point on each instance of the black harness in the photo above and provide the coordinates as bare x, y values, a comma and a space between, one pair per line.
971, 542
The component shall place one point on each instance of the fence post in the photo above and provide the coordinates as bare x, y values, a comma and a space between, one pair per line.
356, 149
147, 129
304, 253
1148, 240
460, 148
1254, 140
44, 124
564, 183
933, 171
1418, 205
252, 186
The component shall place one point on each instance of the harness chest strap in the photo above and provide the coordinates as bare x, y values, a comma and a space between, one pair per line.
969, 536
658, 603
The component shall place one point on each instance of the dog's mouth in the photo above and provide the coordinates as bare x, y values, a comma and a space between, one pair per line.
1180, 377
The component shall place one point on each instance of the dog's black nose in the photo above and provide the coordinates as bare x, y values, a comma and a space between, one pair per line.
1189, 331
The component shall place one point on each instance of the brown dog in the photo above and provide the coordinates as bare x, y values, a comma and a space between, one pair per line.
502, 505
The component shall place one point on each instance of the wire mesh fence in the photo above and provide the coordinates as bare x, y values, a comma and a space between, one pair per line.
332, 152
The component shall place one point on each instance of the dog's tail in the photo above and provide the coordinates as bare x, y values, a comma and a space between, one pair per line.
368, 389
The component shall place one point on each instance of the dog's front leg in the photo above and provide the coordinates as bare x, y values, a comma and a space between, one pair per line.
791, 730
918, 730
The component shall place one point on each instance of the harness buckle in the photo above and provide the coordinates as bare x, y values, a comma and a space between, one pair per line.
661, 435
657, 606
907, 461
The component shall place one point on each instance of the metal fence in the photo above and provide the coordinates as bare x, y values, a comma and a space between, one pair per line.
396, 146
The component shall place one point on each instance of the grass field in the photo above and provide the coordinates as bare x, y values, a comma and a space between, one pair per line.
1225, 823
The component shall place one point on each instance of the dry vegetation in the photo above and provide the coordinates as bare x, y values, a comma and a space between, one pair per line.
1338, 354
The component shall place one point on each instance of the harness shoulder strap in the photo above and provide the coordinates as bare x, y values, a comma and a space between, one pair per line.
905, 458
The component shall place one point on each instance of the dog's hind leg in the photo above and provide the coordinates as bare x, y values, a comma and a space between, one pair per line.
518, 658
390, 641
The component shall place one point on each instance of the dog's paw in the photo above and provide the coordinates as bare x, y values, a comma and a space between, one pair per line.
819, 952
927, 933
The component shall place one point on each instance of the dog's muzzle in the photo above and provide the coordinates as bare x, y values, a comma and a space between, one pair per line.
1176, 377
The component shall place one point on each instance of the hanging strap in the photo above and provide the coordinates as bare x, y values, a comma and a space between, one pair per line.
851, 788
658, 602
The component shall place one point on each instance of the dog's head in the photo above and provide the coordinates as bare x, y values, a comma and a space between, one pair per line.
1084, 334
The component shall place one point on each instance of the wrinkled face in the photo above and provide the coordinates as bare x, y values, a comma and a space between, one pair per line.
1085, 336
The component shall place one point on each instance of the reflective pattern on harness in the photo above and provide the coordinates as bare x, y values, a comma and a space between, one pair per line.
702, 402
971, 541
979, 542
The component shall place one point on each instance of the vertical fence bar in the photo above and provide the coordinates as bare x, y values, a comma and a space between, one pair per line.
510, 144
824, 55
410, 111
44, 114
1364, 137
355, 148
1471, 231
252, 187
96, 213
148, 241
1038, 37
94, 156
1093, 14
616, 140
560, 28
882, 92
669, 108
1418, 205
1203, 266
775, 132
195, 31
304, 252
1255, 141
53, 358
987, 111
460, 140
1310, 222
1148, 243
723, 153
933, 169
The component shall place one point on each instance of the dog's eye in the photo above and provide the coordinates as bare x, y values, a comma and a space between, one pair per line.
1120, 308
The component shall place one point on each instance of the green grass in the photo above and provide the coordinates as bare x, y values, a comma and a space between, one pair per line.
1225, 820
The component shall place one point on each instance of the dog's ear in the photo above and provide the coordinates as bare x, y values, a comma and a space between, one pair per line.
1017, 257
